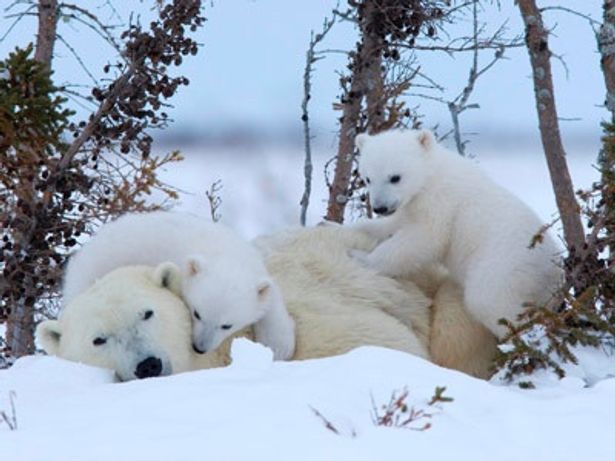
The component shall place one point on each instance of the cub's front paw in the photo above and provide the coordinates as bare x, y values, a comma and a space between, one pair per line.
280, 339
283, 346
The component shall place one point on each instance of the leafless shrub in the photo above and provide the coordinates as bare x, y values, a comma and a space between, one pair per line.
397, 412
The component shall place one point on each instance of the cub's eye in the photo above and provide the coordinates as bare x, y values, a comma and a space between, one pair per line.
196, 315
148, 315
99, 341
395, 179
226, 326
367, 180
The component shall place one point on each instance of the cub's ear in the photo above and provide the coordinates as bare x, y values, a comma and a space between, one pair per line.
167, 275
263, 290
426, 139
359, 140
195, 264
48, 334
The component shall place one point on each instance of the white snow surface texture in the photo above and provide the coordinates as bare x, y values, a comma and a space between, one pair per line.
257, 409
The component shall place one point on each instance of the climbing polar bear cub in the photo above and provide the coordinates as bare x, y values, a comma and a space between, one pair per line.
225, 283
440, 208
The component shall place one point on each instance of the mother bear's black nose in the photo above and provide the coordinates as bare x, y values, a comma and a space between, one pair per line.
148, 368
381, 210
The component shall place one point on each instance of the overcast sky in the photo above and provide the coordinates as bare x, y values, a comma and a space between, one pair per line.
249, 71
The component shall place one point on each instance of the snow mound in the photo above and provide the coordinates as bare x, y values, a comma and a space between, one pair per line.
258, 409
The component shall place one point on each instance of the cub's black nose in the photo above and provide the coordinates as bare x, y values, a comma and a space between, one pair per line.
381, 210
149, 368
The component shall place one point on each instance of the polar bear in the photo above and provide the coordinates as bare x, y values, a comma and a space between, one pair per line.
337, 304
440, 208
133, 321
226, 285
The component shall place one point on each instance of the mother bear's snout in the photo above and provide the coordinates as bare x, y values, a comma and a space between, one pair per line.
149, 368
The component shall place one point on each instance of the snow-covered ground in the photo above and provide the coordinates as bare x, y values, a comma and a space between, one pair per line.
257, 409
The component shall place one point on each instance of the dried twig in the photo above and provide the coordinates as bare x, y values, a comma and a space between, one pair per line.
328, 424
10, 420
214, 199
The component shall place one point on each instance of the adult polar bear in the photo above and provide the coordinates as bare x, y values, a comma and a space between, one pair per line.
337, 304
225, 285
133, 321
440, 208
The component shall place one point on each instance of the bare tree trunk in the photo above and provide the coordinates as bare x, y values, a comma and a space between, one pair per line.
20, 322
338, 192
536, 38
606, 46
47, 22
374, 85
367, 80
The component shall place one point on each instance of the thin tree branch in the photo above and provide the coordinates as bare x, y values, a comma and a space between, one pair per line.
587, 17
310, 60
78, 58
99, 27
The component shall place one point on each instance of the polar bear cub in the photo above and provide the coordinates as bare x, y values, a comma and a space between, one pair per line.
440, 208
225, 283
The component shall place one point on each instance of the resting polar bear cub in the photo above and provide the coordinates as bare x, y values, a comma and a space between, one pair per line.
132, 321
225, 285
441, 208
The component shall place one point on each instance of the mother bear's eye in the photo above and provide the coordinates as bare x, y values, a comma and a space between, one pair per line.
226, 326
395, 179
99, 341
148, 314
367, 180
196, 315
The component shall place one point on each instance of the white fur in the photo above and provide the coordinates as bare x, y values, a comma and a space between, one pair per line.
225, 283
118, 317
444, 209
337, 305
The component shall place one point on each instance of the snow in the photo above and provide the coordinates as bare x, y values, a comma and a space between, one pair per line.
258, 409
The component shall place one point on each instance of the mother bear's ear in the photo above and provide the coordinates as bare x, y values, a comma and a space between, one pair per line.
168, 275
48, 334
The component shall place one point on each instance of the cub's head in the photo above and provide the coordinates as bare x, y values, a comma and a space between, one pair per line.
395, 165
131, 321
224, 297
